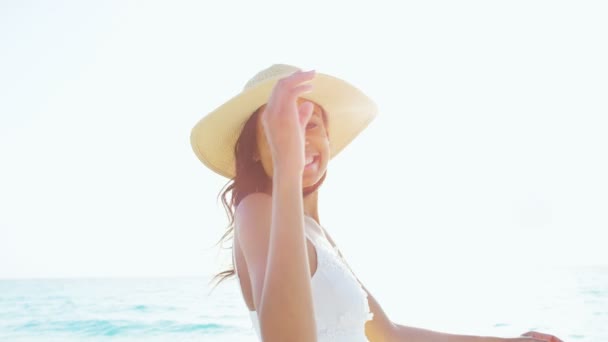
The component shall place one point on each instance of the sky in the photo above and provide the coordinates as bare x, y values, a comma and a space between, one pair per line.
489, 150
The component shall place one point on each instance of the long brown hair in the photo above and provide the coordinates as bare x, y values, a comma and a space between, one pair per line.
250, 177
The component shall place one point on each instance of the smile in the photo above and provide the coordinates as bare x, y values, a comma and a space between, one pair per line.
312, 163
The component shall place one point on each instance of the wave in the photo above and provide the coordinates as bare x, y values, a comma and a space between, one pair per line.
150, 308
119, 327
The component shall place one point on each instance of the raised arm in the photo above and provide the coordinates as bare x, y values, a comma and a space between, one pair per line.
271, 228
271, 236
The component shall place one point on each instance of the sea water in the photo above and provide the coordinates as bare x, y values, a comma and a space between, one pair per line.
185, 309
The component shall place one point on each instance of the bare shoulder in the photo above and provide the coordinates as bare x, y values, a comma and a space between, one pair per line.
252, 232
253, 214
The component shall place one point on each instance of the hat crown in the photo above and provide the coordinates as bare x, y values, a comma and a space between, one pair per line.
274, 71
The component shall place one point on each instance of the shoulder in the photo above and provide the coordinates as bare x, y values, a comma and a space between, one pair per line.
254, 207
252, 218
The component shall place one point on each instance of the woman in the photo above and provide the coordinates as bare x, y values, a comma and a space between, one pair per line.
274, 141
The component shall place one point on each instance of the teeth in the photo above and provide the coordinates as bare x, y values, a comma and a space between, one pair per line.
309, 159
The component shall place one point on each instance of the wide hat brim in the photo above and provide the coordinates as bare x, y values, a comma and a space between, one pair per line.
349, 111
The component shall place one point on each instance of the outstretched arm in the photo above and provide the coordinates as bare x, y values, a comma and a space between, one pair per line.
403, 333
382, 329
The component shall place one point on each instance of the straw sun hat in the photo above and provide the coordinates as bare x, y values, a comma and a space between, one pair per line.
348, 110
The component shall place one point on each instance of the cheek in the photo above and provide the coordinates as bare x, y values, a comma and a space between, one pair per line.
321, 139
327, 153
321, 143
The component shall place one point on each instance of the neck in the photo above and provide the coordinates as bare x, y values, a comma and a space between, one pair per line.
311, 205
310, 200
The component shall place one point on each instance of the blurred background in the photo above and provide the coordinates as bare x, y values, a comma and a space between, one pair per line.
476, 202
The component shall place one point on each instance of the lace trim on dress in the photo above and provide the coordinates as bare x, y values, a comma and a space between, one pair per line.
336, 262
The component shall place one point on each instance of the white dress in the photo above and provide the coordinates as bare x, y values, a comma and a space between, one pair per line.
340, 303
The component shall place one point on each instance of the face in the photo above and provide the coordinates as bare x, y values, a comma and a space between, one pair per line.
317, 144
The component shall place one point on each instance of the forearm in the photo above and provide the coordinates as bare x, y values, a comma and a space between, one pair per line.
410, 334
287, 288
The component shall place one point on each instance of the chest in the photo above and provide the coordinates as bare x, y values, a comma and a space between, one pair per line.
338, 298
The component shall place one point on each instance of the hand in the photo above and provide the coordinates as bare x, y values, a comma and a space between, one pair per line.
285, 122
536, 336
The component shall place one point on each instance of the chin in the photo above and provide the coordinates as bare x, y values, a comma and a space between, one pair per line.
310, 179
307, 183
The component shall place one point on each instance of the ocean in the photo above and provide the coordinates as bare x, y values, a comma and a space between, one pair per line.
185, 309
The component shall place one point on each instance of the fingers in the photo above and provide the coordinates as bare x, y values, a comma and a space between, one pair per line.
542, 337
292, 86
529, 339
304, 88
533, 336
296, 78
285, 93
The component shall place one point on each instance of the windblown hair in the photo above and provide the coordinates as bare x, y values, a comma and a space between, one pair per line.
250, 178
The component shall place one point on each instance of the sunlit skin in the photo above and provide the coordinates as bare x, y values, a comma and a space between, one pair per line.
380, 328
317, 142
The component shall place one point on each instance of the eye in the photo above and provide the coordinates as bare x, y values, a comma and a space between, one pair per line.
311, 125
